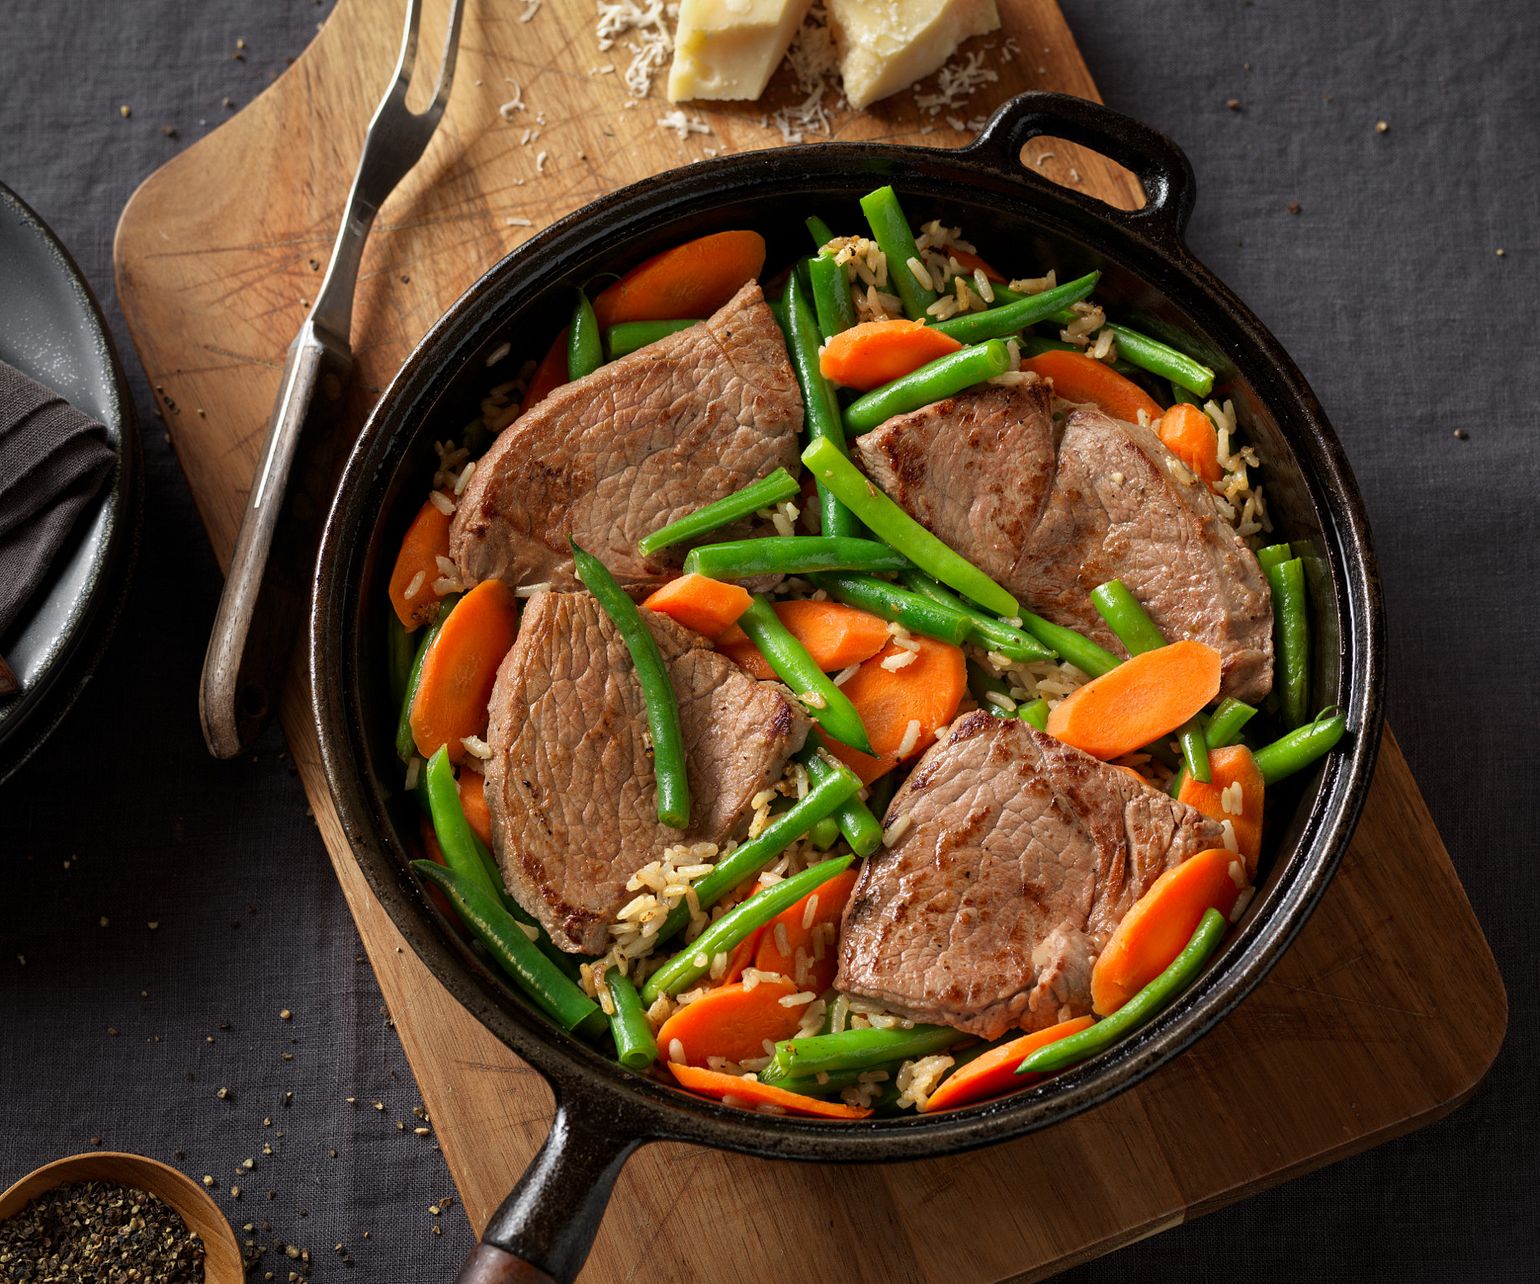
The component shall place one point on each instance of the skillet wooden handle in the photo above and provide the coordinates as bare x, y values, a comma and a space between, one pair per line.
489, 1264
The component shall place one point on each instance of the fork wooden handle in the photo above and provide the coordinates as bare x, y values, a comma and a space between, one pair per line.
261, 611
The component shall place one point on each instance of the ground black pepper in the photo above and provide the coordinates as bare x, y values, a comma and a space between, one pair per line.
101, 1233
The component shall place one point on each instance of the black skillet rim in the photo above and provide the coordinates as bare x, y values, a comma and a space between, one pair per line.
1147, 243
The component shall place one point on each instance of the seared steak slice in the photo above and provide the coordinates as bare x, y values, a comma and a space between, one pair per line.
1019, 858
975, 469
981, 471
635, 445
1124, 507
570, 784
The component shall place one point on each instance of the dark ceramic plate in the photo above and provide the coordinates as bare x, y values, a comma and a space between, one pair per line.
52, 329
1149, 277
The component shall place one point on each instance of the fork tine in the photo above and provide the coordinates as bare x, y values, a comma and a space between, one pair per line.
408, 55
446, 71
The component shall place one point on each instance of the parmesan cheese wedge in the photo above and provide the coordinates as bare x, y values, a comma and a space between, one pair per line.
728, 49
887, 45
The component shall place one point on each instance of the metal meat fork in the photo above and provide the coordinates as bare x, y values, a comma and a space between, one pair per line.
268, 582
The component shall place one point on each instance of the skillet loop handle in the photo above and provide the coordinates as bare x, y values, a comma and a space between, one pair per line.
542, 1232
1161, 167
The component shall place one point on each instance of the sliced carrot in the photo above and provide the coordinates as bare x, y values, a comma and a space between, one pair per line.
549, 375
460, 668
690, 280
834, 634
927, 691
1077, 377
1233, 768
1161, 923
411, 582
434, 853
1141, 700
750, 1094
701, 603
473, 802
868, 355
993, 1073
973, 262
732, 1021
789, 942
1190, 435
741, 957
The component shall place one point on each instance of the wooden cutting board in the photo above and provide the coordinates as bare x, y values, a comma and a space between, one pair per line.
1365, 1030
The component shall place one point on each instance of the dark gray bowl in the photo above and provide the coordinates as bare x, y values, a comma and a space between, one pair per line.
52, 329
603, 1112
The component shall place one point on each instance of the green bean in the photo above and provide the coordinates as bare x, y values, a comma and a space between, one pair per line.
747, 859
399, 657
406, 742
1225, 724
668, 760
890, 229
767, 491
1138, 634
455, 837
743, 559
917, 614
935, 380
821, 232
901, 532
853, 818
1126, 617
1194, 749
988, 632
831, 296
1009, 318
1140, 350
1273, 555
868, 1049
1076, 648
694, 960
585, 346
1291, 623
1297, 750
1035, 714
1179, 393
825, 703
822, 410
1139, 1009
625, 337
1163, 360
826, 1085
505, 940
824, 834
635, 1048
1222, 728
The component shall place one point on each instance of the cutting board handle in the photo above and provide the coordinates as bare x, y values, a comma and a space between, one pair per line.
1161, 167
542, 1232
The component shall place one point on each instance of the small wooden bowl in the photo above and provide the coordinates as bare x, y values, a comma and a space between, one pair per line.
221, 1254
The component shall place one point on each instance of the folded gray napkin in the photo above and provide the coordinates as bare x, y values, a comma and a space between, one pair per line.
53, 464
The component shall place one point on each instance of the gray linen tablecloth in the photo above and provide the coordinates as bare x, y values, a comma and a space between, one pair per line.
169, 908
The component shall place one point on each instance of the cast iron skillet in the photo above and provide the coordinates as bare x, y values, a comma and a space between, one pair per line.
603, 1113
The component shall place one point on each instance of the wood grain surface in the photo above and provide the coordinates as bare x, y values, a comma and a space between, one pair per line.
1365, 1030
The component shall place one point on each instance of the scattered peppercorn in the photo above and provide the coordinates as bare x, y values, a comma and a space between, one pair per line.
1234, 104
125, 111
1461, 434
1382, 127
1296, 208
